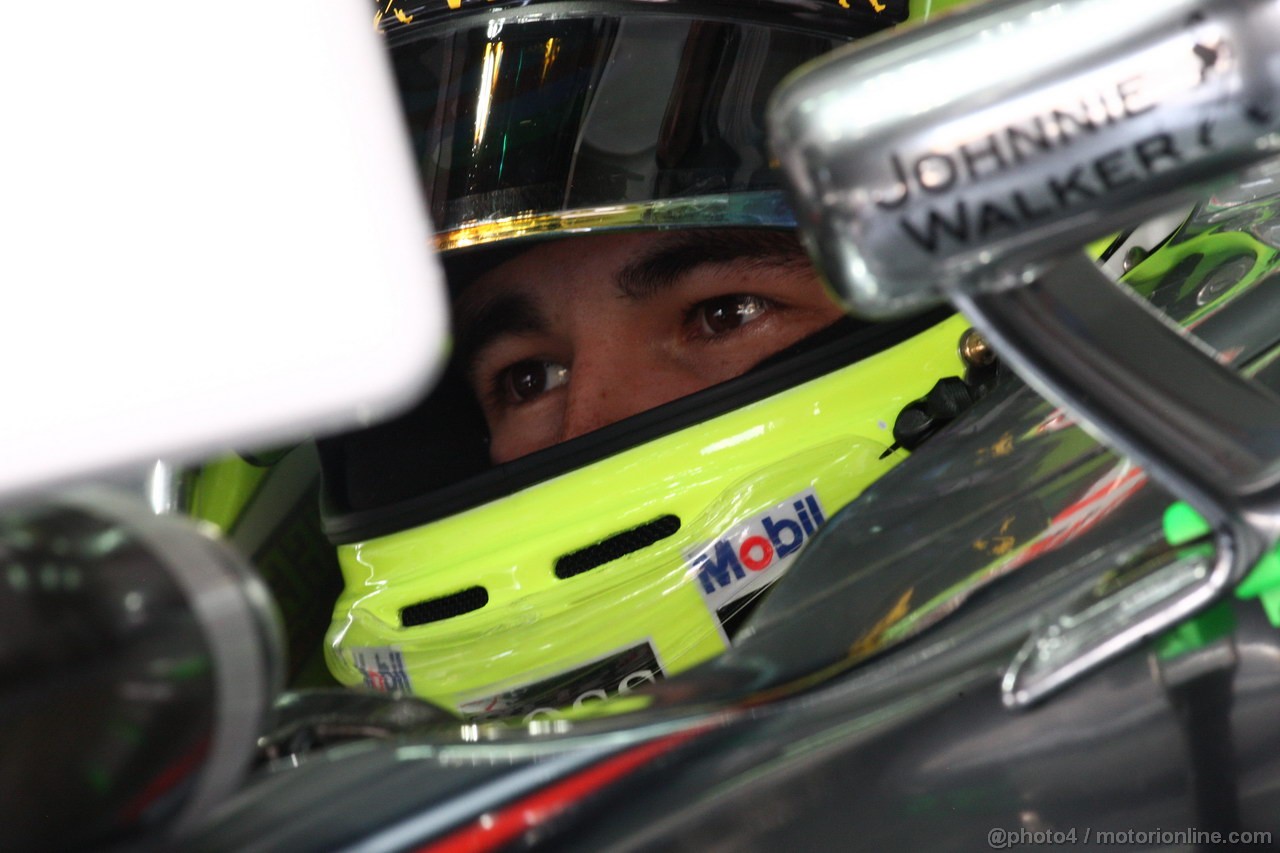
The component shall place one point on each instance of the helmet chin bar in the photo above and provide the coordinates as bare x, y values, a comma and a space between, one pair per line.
970, 160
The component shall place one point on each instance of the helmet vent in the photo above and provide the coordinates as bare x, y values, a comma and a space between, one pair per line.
617, 545
445, 607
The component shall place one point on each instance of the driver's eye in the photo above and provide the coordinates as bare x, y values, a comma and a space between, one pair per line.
726, 313
526, 380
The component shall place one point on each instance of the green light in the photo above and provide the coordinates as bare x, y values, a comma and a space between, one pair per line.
1183, 524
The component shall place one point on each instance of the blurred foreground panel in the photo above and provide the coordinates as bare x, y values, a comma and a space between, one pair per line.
210, 232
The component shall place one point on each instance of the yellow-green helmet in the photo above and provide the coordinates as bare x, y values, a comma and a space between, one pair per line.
585, 569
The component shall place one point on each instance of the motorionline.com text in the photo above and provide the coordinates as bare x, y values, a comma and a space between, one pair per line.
1003, 839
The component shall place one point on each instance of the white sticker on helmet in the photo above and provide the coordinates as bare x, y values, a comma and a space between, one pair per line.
614, 675
383, 669
754, 553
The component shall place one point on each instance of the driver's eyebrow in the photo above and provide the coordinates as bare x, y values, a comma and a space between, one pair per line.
661, 266
502, 315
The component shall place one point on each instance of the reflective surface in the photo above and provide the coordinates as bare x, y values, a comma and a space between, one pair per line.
925, 160
562, 122
1116, 109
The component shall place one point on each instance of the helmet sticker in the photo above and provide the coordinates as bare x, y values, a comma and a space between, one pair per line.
383, 669
614, 675
753, 553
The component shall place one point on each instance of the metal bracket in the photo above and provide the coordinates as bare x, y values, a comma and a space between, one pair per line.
925, 170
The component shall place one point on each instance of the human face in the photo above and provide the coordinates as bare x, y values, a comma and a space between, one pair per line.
576, 334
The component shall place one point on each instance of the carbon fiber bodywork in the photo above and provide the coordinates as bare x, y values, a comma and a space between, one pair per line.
866, 708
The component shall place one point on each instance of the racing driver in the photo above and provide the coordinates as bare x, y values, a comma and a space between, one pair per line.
653, 404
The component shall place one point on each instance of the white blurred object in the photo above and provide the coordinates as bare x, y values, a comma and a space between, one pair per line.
210, 231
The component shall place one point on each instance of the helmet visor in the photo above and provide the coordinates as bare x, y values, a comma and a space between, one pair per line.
555, 123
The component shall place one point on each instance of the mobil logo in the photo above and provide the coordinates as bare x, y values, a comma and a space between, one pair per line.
756, 551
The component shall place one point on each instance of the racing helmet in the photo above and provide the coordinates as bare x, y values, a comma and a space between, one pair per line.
585, 569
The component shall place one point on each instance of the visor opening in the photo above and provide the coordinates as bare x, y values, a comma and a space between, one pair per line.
445, 607
617, 545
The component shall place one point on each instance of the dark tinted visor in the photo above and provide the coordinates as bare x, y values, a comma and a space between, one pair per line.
556, 123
